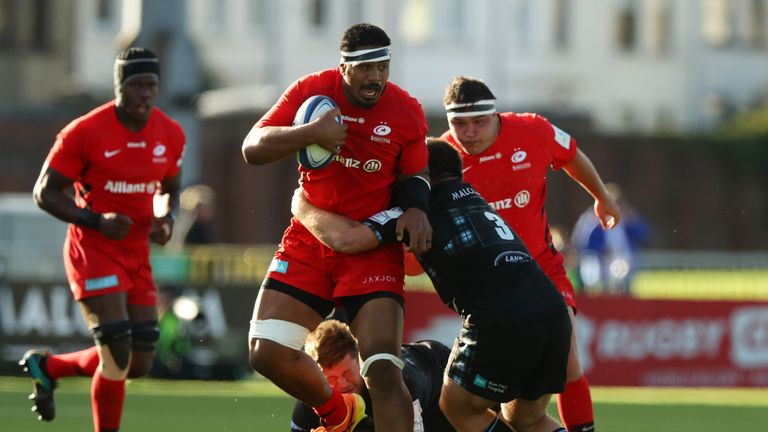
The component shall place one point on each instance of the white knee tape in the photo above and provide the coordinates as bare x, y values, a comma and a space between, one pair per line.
380, 356
285, 333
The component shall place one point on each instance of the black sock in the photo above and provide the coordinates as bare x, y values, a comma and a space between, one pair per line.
586, 427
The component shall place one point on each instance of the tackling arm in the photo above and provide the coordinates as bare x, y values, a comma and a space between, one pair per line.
584, 173
333, 230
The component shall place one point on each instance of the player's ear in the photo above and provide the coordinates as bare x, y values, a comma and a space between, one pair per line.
343, 69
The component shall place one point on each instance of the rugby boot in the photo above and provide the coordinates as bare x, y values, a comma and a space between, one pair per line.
33, 364
355, 414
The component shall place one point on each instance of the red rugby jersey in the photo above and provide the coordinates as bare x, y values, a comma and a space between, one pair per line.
511, 174
382, 141
115, 169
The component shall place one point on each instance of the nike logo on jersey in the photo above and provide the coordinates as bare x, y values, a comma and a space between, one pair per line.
466, 169
108, 154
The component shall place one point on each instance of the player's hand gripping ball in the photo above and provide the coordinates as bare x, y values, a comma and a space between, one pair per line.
314, 156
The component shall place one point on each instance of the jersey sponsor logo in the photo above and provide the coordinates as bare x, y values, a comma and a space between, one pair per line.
278, 266
384, 278
522, 198
502, 204
463, 193
380, 139
489, 385
490, 158
347, 118
371, 165
123, 187
512, 257
521, 166
418, 422
137, 144
109, 153
562, 138
101, 283
382, 130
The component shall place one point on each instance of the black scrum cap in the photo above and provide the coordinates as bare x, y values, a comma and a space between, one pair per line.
134, 61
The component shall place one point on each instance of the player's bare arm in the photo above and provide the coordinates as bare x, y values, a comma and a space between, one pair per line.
333, 230
50, 196
167, 200
414, 220
269, 144
584, 173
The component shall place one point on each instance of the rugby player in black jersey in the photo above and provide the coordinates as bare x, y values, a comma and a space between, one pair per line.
333, 346
514, 342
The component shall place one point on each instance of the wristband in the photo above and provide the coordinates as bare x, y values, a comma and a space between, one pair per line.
88, 219
412, 192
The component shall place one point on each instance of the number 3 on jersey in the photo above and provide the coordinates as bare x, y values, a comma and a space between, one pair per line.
501, 227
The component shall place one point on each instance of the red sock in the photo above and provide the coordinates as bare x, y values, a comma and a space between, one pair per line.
575, 405
106, 402
82, 363
333, 411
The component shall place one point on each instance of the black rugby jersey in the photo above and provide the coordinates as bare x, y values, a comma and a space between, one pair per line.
425, 362
478, 264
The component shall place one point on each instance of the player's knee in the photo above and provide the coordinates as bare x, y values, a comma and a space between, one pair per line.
116, 336
144, 335
269, 340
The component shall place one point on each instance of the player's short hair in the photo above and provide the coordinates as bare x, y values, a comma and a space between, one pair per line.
331, 341
466, 90
444, 160
364, 34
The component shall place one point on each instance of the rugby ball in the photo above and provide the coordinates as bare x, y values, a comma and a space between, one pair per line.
314, 156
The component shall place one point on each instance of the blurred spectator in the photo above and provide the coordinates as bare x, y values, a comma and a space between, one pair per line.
606, 259
186, 348
194, 224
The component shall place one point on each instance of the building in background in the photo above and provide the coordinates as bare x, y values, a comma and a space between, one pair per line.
643, 66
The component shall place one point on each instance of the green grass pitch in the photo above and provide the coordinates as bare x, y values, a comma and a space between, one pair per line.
254, 405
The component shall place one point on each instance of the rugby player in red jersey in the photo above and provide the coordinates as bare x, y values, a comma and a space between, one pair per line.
506, 158
118, 157
380, 153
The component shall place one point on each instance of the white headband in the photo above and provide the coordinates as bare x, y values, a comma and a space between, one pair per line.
472, 109
365, 56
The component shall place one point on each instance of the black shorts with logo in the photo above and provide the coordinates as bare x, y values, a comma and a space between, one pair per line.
525, 360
